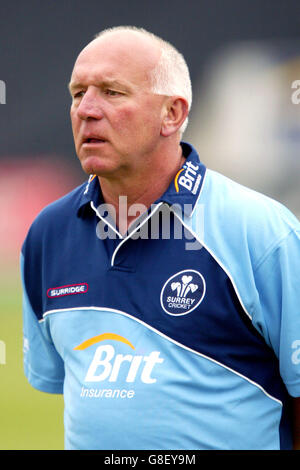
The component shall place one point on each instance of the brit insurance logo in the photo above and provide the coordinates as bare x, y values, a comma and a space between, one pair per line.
188, 178
108, 367
182, 292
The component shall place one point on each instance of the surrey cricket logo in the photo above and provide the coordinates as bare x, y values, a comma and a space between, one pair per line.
182, 292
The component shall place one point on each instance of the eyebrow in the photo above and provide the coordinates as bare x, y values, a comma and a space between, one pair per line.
114, 83
73, 86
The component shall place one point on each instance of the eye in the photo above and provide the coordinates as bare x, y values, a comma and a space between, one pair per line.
78, 94
110, 92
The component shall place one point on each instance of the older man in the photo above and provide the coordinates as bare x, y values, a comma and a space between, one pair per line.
160, 297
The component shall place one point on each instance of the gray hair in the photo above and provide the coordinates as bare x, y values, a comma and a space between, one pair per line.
171, 74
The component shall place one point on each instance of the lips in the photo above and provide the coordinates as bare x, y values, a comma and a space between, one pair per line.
92, 139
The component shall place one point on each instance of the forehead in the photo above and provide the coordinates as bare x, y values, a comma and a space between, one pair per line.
124, 56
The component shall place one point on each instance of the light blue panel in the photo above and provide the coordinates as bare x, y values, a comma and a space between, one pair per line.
43, 367
256, 241
182, 401
278, 280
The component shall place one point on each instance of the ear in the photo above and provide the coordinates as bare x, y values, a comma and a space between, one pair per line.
176, 110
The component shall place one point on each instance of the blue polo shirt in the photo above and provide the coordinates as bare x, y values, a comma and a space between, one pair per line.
182, 334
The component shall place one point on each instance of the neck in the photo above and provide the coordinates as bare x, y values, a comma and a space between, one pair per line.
132, 195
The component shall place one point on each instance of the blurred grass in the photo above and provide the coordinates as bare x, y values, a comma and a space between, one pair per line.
30, 420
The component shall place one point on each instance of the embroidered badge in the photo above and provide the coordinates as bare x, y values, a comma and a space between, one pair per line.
182, 292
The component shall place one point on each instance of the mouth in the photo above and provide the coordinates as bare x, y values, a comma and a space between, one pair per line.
93, 140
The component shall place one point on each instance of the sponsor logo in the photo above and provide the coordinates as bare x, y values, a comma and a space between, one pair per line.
182, 292
108, 366
188, 178
91, 177
70, 289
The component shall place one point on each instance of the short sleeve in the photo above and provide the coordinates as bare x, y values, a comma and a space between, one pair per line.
43, 366
277, 278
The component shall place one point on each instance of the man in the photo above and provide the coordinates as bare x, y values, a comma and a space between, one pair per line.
160, 297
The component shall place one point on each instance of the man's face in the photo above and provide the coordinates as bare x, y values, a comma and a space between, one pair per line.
116, 119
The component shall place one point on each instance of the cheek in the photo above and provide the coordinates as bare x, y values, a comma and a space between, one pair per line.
75, 124
137, 122
125, 120
73, 119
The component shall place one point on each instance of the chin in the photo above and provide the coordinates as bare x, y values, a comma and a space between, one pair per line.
96, 166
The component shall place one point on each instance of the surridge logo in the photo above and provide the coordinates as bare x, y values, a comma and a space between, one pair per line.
188, 178
182, 292
69, 289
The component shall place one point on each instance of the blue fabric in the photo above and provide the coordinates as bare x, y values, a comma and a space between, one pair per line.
185, 339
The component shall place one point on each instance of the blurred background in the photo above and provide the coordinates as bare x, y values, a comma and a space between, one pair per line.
244, 59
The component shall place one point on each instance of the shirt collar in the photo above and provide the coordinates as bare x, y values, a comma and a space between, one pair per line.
183, 192
91, 192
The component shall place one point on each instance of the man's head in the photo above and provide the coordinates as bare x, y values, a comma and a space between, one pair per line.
131, 93
170, 76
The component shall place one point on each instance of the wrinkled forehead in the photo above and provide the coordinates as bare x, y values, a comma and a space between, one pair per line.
127, 54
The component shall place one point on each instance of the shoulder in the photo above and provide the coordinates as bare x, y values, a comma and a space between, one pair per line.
241, 228
240, 225
55, 214
65, 205
238, 199
242, 209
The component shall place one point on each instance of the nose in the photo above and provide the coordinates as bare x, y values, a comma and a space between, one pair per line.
90, 105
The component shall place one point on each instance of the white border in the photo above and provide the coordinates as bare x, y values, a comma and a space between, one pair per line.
105, 221
134, 231
120, 312
119, 234
219, 263
200, 192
